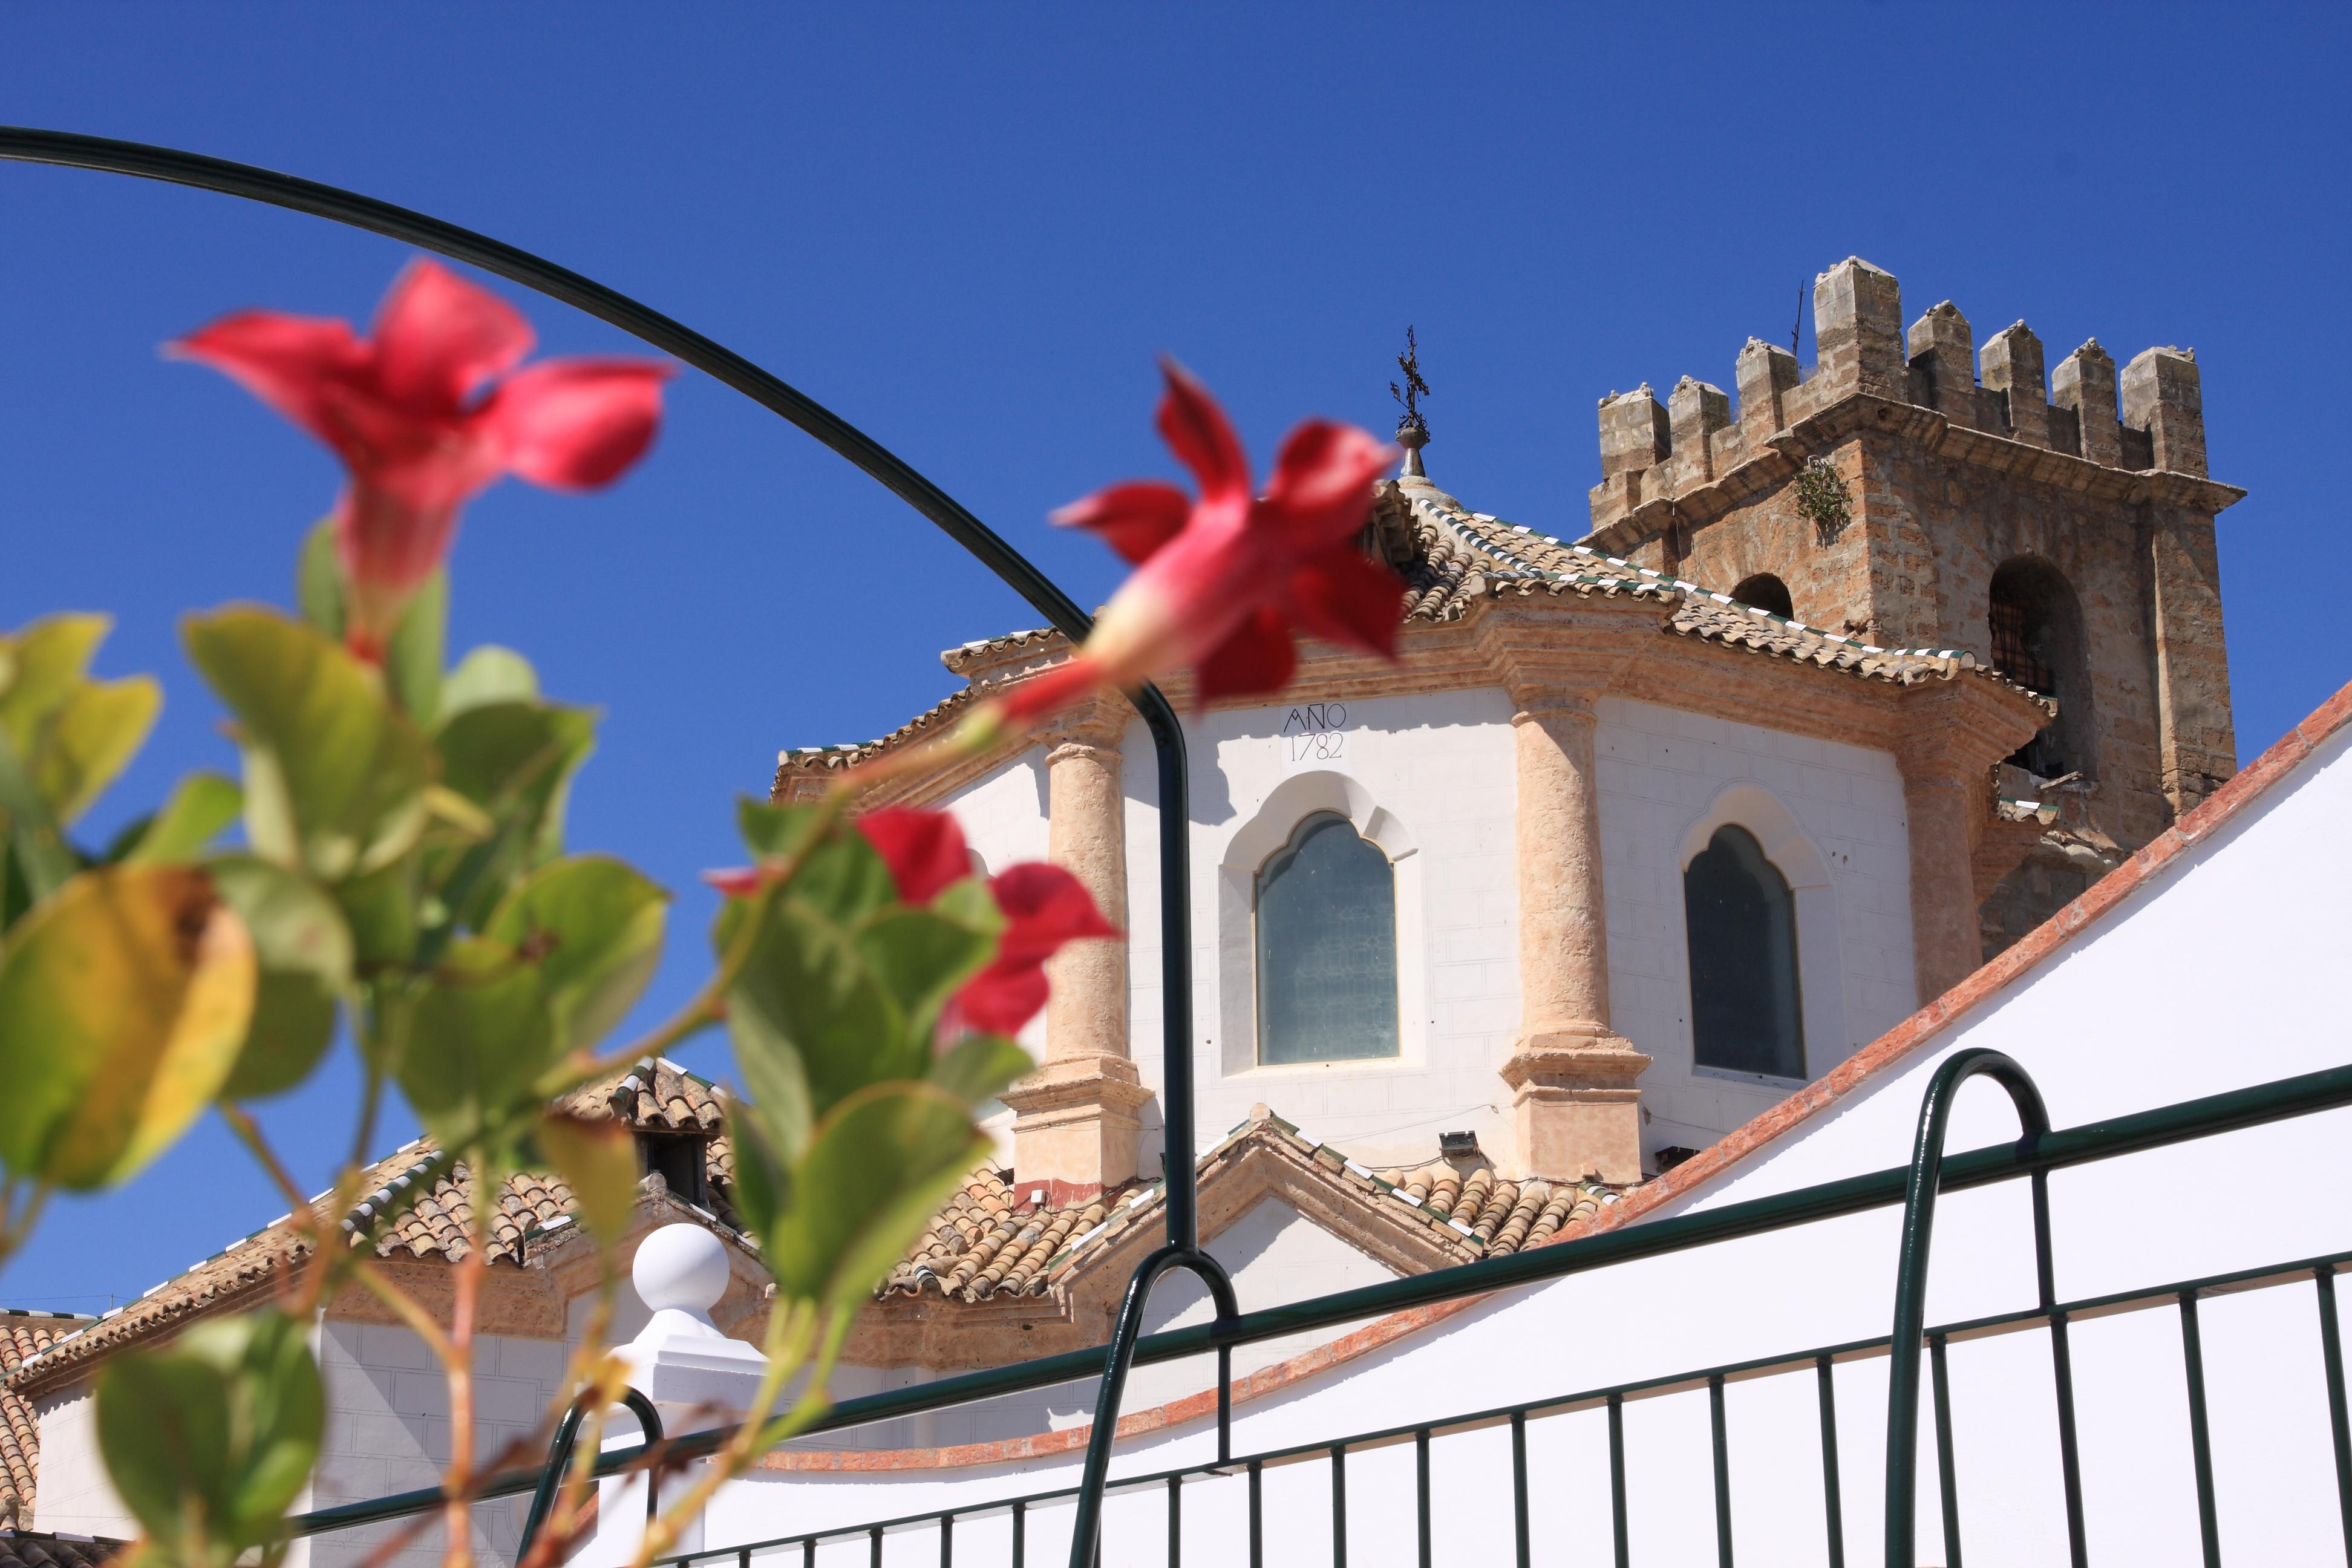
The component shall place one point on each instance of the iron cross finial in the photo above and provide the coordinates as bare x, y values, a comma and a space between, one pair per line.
1411, 394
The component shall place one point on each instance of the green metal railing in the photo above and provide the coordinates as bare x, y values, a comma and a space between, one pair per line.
1612, 1400
1913, 1186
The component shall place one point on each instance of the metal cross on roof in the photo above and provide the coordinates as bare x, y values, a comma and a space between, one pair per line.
1412, 430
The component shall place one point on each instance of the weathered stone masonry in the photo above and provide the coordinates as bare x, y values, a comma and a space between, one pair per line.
1957, 462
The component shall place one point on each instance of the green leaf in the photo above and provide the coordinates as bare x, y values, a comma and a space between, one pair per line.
211, 1438
843, 877
380, 910
777, 1079
304, 950
37, 846
124, 1000
597, 1158
479, 1035
873, 1177
335, 774
419, 644
978, 1066
773, 832
762, 1169
46, 661
90, 738
201, 807
807, 996
488, 674
595, 927
319, 582
514, 760
923, 956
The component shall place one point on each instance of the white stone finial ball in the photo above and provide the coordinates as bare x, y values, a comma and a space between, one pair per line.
681, 1266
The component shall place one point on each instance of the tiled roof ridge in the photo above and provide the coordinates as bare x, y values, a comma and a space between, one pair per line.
987, 1243
1446, 530
22, 1548
1447, 573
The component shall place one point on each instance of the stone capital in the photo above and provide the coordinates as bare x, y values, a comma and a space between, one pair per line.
1097, 724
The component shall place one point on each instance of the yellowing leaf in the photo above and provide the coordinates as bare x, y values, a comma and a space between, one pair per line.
598, 1161
47, 661
94, 734
124, 1000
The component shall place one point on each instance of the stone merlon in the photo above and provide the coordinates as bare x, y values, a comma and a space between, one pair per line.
1652, 450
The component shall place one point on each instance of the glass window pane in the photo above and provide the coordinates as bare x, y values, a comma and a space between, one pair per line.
1742, 922
1327, 970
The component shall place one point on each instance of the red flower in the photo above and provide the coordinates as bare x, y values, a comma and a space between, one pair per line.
1221, 583
1044, 908
401, 409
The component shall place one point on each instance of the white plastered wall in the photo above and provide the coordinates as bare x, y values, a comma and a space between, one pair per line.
1829, 816
1431, 780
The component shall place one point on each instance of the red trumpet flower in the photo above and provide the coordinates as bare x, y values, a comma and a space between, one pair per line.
1043, 907
400, 409
1221, 583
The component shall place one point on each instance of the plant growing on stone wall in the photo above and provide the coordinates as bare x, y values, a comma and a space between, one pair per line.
402, 881
1821, 495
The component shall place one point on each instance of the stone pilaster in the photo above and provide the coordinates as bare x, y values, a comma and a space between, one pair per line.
1076, 1126
1952, 733
1574, 1097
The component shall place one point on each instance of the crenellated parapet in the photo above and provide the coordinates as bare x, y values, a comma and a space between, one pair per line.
1698, 437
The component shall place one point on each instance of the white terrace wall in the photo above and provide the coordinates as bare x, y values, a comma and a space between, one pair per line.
1430, 778
2223, 969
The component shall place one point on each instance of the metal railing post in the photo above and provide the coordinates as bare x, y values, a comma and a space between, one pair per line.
1832, 1501
2200, 1440
1911, 1296
559, 1459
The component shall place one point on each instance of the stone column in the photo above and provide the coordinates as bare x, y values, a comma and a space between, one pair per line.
1074, 1126
1572, 1080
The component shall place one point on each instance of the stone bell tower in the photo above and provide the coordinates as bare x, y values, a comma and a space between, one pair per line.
1910, 490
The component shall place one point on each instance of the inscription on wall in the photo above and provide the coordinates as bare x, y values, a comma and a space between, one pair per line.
1315, 732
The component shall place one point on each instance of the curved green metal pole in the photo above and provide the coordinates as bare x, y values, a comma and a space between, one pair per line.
1911, 1276
68, 149
1087, 1528
559, 1459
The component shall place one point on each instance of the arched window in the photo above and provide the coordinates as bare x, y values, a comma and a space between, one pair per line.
1326, 948
1766, 591
1746, 1012
2036, 626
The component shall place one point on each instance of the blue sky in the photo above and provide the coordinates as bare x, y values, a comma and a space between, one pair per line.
970, 230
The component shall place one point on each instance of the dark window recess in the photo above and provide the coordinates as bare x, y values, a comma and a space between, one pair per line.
1745, 1010
2012, 653
681, 1160
1326, 947
1767, 593
1673, 1154
2035, 626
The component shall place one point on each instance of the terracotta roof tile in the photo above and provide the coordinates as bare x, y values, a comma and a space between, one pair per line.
430, 1213
33, 1549
1449, 558
988, 1241
22, 1336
